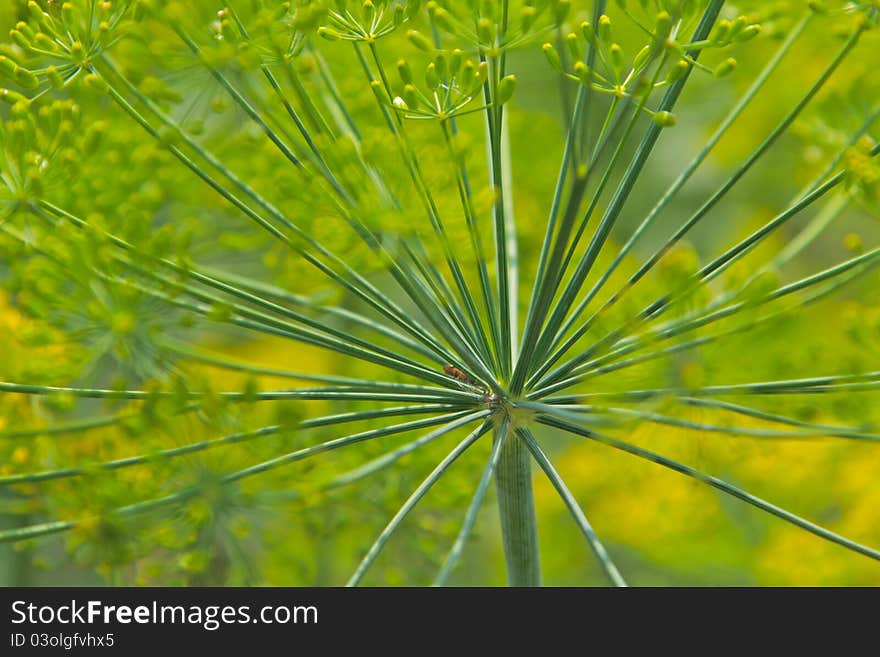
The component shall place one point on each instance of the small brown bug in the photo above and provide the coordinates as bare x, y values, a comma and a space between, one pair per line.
453, 371
488, 396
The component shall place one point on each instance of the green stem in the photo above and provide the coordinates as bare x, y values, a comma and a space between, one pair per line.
516, 506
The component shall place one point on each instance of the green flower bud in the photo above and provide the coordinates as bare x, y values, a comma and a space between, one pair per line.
641, 57
560, 12
604, 28
419, 40
410, 95
748, 33
25, 29
480, 76
678, 71
725, 68
440, 64
281, 11
103, 31
369, 12
443, 20
736, 27
7, 66
412, 8
94, 137
664, 119
574, 46
583, 72
12, 97
552, 56
37, 14
77, 51
527, 18
506, 87
69, 15
719, 34
380, 92
55, 78
45, 42
455, 62
399, 16
468, 70
643, 86
432, 78
24, 78
327, 33
486, 30
10, 53
96, 82
20, 39
588, 32
616, 56
404, 71
663, 26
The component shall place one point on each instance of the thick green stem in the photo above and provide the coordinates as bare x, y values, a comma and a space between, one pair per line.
516, 506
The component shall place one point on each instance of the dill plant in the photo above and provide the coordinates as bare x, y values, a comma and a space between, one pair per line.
343, 176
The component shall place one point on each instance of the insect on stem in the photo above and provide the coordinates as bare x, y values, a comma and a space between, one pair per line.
470, 384
454, 372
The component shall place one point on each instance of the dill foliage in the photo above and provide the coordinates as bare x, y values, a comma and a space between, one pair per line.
294, 279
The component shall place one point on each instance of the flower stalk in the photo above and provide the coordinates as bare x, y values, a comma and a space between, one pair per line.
516, 507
